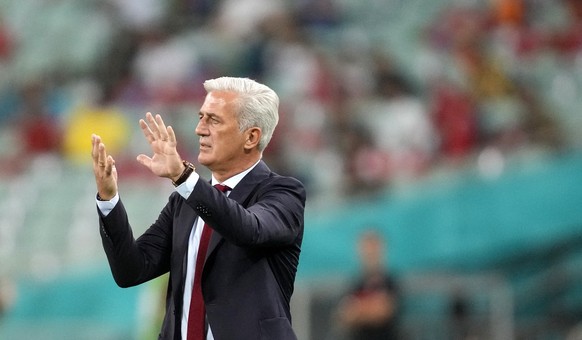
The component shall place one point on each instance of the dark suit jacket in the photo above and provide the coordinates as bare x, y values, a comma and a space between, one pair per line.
251, 262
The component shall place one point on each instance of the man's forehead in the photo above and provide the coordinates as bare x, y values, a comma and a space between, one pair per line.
219, 98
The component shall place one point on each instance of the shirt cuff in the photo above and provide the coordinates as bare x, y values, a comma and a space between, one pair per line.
106, 206
186, 188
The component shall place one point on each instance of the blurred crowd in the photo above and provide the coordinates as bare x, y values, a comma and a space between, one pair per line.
355, 119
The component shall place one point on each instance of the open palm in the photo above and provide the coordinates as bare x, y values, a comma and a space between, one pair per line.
165, 161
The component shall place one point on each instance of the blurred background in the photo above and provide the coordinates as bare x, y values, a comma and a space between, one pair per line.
449, 128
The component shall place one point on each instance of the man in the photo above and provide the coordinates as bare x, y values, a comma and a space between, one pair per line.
370, 309
256, 228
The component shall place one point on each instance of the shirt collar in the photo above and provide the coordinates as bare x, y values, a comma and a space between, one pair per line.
234, 180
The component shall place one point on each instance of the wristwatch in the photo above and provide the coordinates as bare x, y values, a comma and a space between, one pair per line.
189, 169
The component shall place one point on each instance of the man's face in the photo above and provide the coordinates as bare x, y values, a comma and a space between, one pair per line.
221, 141
371, 252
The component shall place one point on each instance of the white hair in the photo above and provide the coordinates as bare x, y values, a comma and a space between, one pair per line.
258, 105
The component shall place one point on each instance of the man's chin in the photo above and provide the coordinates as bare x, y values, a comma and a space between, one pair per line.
204, 160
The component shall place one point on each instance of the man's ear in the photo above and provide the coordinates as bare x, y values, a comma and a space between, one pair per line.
253, 137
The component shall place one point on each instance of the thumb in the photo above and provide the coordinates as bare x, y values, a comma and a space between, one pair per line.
144, 160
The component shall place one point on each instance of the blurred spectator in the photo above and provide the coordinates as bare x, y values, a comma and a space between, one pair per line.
113, 69
454, 114
96, 113
568, 39
500, 113
364, 164
166, 66
40, 129
399, 123
354, 64
369, 311
487, 44
241, 19
303, 79
6, 43
508, 12
367, 169
140, 15
512, 31
293, 66
506, 109
318, 14
543, 129
191, 13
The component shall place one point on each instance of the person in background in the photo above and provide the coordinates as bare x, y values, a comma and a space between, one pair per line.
97, 113
232, 255
40, 131
369, 309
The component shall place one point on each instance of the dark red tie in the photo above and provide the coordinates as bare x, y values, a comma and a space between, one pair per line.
197, 313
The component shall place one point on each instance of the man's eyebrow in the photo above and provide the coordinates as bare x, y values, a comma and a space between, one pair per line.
209, 114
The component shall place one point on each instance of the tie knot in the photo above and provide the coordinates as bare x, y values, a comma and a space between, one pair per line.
221, 187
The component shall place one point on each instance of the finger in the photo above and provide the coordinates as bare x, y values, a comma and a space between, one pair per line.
171, 134
162, 128
109, 165
147, 132
153, 125
95, 140
102, 156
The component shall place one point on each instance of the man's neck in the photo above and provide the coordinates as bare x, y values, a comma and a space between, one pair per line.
220, 177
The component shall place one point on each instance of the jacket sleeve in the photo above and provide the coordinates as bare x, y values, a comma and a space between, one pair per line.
274, 215
134, 261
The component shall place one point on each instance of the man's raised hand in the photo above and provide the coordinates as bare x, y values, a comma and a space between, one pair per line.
165, 161
104, 169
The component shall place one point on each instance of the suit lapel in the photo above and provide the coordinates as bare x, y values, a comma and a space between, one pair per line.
185, 224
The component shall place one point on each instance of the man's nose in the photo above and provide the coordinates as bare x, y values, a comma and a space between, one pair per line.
201, 128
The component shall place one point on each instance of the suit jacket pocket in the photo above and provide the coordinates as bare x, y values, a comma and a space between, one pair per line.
276, 329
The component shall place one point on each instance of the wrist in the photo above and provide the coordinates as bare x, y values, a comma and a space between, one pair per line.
188, 170
175, 177
104, 197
